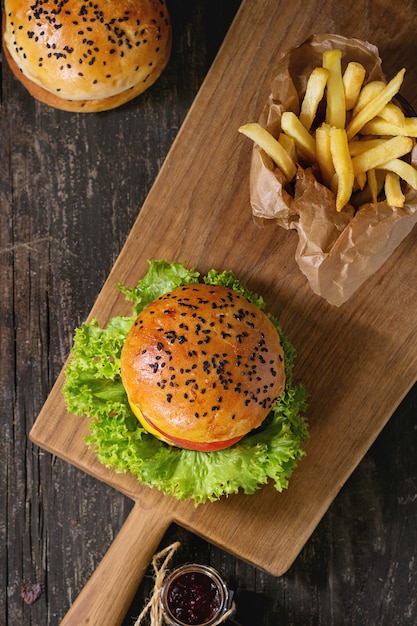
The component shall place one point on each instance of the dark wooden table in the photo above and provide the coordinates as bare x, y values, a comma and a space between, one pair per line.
70, 189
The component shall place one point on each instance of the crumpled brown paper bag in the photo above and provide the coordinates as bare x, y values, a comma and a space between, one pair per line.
337, 252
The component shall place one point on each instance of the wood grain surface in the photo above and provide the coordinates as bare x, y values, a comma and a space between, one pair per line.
72, 188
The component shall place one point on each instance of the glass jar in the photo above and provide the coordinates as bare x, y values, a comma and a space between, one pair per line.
194, 595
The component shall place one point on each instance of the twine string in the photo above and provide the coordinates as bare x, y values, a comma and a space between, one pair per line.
153, 606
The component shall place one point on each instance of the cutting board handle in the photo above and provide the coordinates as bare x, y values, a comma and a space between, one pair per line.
108, 594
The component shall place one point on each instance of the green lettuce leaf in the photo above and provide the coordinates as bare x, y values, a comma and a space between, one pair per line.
93, 388
160, 278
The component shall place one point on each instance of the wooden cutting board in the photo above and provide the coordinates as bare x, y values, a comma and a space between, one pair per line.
357, 361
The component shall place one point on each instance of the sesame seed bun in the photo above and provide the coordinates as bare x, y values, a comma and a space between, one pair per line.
83, 55
202, 366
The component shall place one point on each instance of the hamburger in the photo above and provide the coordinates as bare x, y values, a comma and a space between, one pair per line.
193, 393
83, 56
202, 366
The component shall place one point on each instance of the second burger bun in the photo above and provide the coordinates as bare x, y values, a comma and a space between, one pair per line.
202, 366
86, 56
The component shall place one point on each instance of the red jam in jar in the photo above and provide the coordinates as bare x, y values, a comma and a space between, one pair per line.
194, 595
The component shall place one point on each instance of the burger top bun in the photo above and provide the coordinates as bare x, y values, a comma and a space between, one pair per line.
202, 364
86, 55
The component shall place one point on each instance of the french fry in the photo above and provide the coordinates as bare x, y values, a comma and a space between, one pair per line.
372, 108
316, 85
391, 149
368, 93
393, 191
342, 165
324, 155
288, 144
392, 113
404, 170
271, 146
361, 179
367, 194
353, 78
361, 145
372, 184
304, 142
336, 108
379, 126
